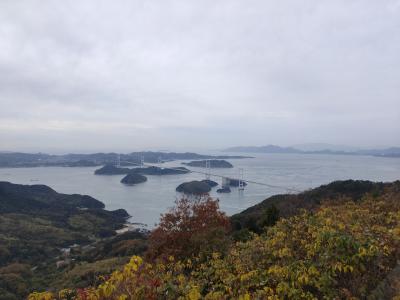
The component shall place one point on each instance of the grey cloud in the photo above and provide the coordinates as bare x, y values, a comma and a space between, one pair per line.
198, 73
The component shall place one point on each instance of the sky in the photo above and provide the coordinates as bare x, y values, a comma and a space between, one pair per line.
81, 76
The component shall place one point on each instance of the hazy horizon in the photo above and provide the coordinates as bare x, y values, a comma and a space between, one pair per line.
304, 147
132, 75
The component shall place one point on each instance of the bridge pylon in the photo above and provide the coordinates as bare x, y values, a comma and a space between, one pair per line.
241, 181
225, 182
208, 169
118, 162
142, 161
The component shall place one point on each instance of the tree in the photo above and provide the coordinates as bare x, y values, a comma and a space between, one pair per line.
191, 228
270, 217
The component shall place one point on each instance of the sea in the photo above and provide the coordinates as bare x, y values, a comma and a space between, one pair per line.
270, 174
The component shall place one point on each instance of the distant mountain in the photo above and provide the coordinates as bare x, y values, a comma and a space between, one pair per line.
388, 152
263, 149
324, 146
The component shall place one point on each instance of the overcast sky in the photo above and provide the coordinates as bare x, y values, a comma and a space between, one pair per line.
131, 75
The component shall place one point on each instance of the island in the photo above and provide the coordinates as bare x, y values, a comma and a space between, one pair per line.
152, 170
210, 183
133, 178
112, 170
225, 189
194, 187
214, 163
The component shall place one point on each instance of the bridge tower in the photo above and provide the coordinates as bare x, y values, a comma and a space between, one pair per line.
118, 164
208, 169
241, 182
142, 161
225, 182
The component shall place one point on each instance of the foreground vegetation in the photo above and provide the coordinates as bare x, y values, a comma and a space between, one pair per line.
346, 247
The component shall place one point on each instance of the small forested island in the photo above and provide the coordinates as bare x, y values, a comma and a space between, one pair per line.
194, 187
133, 178
110, 169
152, 170
225, 189
214, 163
211, 183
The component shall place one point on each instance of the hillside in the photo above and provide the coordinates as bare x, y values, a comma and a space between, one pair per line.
291, 204
345, 246
44, 233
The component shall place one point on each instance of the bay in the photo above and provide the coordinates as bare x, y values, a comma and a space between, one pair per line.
146, 201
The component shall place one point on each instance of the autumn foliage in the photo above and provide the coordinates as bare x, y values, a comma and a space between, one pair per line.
192, 227
341, 251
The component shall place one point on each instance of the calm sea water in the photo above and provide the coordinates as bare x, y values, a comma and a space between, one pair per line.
145, 201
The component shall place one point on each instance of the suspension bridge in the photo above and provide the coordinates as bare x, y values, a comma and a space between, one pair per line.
208, 174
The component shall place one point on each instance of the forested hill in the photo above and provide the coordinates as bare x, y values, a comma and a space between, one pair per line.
36, 223
291, 204
41, 199
338, 241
